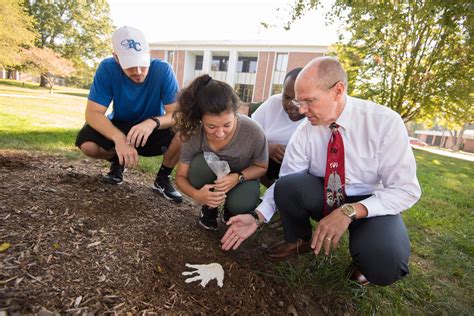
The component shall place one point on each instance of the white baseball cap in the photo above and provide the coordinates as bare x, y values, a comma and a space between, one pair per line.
131, 47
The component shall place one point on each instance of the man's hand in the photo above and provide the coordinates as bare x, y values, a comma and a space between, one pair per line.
241, 228
329, 231
276, 152
138, 134
127, 154
210, 198
227, 183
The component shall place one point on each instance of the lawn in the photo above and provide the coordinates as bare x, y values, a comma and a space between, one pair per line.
440, 224
33, 119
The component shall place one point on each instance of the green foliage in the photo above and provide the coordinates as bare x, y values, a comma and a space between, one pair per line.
15, 32
45, 61
83, 75
78, 30
409, 55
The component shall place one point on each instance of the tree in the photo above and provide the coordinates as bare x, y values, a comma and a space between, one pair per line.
402, 54
15, 32
457, 112
78, 30
48, 63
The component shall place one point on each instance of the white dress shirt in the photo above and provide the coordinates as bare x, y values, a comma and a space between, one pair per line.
275, 122
378, 158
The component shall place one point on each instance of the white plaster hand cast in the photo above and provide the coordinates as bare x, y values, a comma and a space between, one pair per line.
205, 273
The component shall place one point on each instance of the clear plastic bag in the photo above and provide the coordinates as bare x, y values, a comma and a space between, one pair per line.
219, 167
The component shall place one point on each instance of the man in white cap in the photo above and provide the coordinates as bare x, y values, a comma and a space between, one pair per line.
143, 91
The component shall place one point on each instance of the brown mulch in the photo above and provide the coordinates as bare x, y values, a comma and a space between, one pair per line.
81, 246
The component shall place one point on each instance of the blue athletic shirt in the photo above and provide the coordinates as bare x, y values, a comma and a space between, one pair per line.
134, 102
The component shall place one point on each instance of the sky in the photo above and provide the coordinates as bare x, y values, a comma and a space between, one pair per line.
176, 20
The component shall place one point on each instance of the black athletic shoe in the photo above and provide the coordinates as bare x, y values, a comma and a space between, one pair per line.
115, 175
208, 218
226, 215
163, 185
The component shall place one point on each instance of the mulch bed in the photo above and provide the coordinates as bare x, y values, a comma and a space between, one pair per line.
81, 246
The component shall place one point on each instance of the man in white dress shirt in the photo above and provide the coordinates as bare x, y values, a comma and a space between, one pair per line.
380, 181
279, 118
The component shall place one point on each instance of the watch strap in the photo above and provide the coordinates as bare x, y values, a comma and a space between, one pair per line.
157, 121
241, 177
257, 219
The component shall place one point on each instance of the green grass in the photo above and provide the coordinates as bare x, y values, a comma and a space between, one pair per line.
20, 84
440, 224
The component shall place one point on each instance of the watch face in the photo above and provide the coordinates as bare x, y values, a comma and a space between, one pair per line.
348, 210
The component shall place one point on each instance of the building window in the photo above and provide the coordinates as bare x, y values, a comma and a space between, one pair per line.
247, 64
170, 57
219, 63
244, 91
277, 88
281, 62
198, 64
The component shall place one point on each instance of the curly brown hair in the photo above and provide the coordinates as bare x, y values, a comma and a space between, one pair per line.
203, 95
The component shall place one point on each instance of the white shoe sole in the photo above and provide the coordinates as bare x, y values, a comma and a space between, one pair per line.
162, 192
109, 181
213, 229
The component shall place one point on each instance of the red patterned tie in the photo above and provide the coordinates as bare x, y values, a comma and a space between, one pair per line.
334, 179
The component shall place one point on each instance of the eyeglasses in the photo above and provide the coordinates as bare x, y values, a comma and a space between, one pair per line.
307, 103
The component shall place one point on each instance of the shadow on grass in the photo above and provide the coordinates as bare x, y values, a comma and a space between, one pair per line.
56, 140
75, 94
21, 84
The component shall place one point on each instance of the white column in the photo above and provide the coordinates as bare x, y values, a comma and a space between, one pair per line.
206, 61
232, 67
189, 62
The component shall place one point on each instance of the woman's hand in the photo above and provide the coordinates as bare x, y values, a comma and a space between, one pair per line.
210, 198
227, 183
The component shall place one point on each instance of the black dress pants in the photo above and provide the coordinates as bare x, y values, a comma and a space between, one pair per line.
379, 245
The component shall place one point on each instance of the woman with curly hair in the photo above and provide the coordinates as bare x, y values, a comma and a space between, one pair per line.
207, 121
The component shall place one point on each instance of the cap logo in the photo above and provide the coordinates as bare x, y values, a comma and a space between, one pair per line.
131, 44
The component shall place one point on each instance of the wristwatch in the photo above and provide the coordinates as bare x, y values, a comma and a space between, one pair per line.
257, 219
241, 177
157, 121
349, 210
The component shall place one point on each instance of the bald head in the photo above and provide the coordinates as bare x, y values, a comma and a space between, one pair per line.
324, 72
320, 90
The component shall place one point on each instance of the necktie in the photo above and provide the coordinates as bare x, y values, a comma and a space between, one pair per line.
334, 179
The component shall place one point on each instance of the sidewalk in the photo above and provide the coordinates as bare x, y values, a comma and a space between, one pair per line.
448, 153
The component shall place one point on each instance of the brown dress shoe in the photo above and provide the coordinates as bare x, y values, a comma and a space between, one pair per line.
357, 276
282, 250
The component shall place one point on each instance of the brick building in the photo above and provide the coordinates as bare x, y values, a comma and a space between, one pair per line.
446, 140
17, 75
255, 69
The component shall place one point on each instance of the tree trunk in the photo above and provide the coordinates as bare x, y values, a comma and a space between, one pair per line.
44, 82
459, 138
